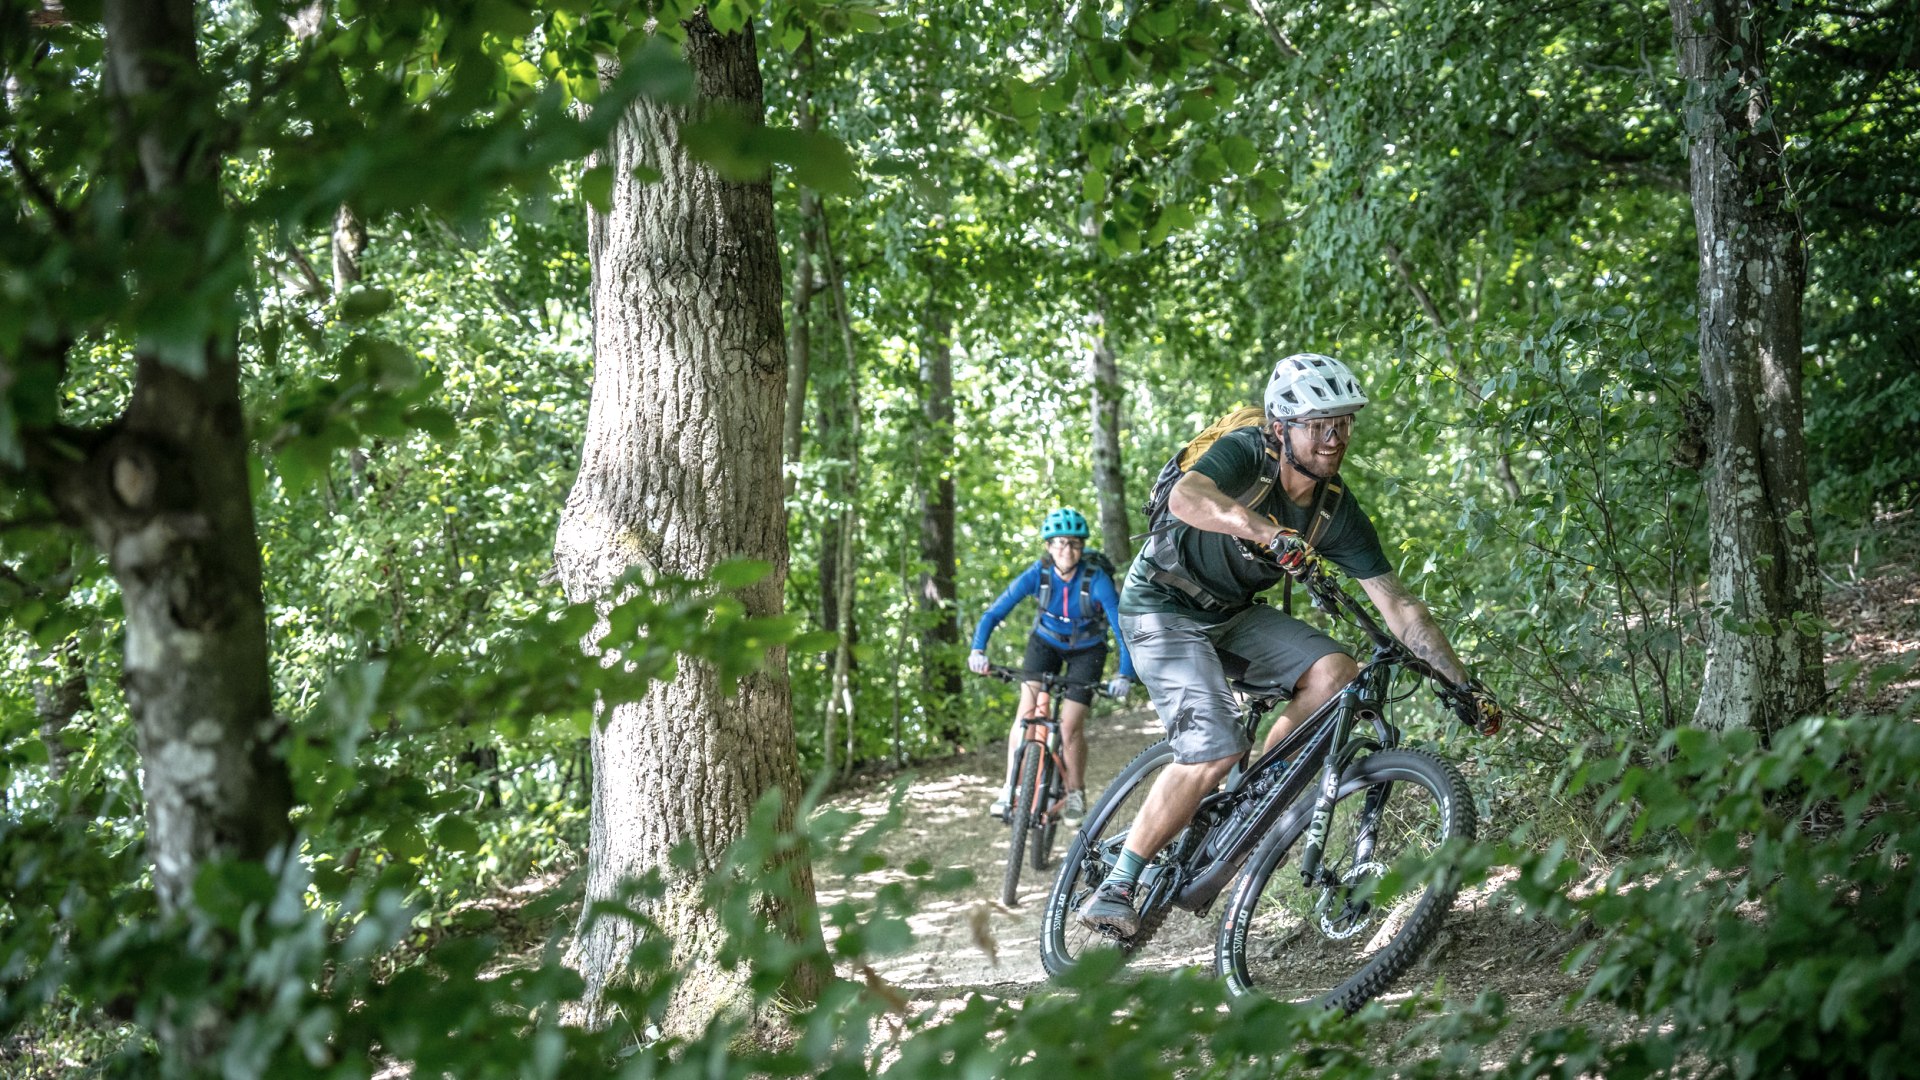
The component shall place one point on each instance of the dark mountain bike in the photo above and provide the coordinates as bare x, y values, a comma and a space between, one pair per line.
1039, 790
1375, 825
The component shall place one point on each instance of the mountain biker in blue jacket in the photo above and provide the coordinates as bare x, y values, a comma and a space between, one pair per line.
1078, 605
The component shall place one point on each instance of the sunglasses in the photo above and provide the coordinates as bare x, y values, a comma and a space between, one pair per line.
1326, 428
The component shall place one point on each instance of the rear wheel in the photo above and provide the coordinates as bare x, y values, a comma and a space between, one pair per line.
1377, 901
1063, 940
1020, 817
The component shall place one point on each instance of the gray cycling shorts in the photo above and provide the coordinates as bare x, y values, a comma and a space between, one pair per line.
1185, 665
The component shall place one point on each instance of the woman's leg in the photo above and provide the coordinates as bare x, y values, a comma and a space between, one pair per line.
1073, 743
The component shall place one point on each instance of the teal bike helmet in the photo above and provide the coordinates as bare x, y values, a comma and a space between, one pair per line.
1065, 521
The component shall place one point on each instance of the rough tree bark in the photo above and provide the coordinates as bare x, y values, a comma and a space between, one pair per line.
163, 491
1109, 480
1763, 650
680, 469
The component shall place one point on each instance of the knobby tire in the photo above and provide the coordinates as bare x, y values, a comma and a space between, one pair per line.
1284, 939
1020, 819
1062, 939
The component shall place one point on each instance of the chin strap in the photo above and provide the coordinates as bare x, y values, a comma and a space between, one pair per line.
1286, 447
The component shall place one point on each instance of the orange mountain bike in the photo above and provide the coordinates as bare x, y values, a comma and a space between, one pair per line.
1039, 792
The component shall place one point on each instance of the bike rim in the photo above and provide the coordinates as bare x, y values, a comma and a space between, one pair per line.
1299, 942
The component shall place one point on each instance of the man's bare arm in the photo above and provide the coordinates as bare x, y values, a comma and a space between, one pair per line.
1414, 625
1199, 502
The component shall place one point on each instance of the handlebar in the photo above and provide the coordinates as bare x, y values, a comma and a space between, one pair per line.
1330, 597
1050, 682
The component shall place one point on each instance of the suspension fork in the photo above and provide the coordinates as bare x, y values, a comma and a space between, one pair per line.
1338, 758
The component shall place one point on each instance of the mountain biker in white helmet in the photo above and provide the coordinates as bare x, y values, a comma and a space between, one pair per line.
1189, 604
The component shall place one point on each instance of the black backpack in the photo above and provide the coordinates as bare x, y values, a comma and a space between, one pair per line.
1160, 521
1089, 562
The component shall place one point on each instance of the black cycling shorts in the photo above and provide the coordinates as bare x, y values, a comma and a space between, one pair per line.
1083, 665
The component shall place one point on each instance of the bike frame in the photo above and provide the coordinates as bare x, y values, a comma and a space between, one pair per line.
1044, 729
1325, 739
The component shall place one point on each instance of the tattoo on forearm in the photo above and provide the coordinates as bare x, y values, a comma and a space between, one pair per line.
1424, 639
1415, 626
1395, 588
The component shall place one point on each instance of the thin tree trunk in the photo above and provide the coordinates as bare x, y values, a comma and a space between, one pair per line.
58, 696
800, 352
841, 694
1109, 479
940, 632
349, 242
1763, 648
679, 471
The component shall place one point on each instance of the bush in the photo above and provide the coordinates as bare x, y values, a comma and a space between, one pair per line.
1774, 926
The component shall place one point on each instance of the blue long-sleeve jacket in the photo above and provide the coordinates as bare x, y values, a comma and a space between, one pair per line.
1066, 627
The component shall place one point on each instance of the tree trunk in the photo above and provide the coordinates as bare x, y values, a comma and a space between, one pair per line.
840, 696
800, 357
1109, 481
164, 492
940, 633
680, 469
59, 694
349, 242
1763, 649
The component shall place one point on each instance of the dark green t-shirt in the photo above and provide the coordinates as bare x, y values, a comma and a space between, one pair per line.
1214, 560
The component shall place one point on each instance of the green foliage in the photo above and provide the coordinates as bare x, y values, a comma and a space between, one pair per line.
1771, 926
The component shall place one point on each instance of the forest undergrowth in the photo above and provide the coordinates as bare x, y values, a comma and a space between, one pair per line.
1686, 931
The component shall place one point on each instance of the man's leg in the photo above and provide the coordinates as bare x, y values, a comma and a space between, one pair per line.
1280, 650
1176, 794
1327, 677
1175, 659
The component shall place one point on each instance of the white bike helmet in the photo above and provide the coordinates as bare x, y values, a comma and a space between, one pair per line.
1307, 385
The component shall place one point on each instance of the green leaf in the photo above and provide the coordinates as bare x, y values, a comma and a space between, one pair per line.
364, 303
456, 834
435, 421
739, 573
1240, 154
596, 186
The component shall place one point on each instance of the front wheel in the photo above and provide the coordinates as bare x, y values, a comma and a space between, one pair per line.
1095, 847
1379, 896
1046, 821
1020, 816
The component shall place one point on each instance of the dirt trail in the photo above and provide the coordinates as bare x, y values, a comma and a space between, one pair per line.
968, 942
